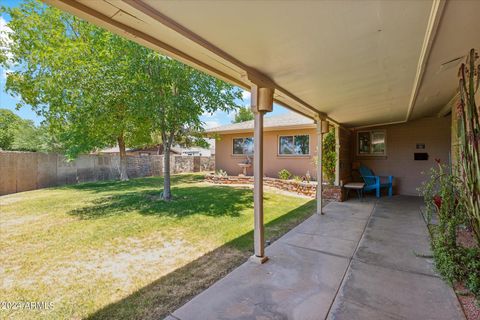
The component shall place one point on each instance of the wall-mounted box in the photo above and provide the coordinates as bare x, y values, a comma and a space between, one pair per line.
420, 156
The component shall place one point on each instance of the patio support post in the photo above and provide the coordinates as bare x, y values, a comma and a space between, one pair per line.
262, 102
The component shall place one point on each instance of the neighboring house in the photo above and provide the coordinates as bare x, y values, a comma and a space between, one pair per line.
135, 151
289, 143
193, 151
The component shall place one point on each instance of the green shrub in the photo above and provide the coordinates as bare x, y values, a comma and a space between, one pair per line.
221, 173
453, 262
329, 156
472, 269
284, 174
297, 178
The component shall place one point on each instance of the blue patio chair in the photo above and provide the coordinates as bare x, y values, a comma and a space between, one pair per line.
373, 182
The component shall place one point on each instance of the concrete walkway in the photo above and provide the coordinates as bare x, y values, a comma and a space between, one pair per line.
357, 261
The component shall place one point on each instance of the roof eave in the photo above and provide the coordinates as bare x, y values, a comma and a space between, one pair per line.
248, 130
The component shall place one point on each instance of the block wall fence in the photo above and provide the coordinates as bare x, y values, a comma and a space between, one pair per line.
23, 171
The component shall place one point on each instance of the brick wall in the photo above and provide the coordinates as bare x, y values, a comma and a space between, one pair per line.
307, 189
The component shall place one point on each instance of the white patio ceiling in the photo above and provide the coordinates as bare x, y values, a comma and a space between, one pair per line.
356, 62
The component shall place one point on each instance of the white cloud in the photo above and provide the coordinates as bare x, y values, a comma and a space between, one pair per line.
5, 40
232, 115
245, 94
211, 124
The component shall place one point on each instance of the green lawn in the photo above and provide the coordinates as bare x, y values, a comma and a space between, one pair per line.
113, 250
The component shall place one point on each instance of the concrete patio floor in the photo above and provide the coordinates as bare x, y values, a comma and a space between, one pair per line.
358, 261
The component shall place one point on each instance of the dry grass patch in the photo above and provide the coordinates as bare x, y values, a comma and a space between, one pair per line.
111, 250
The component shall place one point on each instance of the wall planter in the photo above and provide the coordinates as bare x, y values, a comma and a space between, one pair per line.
333, 193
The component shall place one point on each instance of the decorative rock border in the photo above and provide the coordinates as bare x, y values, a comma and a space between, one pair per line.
309, 189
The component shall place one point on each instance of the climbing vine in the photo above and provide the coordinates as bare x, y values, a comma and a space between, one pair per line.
329, 156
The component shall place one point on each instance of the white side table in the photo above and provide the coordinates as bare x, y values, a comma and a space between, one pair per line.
357, 186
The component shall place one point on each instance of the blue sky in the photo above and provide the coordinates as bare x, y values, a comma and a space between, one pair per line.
9, 102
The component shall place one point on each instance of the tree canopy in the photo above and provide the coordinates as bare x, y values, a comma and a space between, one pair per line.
8, 126
176, 95
78, 76
22, 135
97, 89
243, 114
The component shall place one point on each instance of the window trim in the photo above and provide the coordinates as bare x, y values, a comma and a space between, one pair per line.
293, 154
241, 154
371, 154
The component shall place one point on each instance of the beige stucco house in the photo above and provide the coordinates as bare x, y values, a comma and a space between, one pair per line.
289, 143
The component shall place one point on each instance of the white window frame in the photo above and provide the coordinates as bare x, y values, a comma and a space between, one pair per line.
371, 153
292, 154
241, 154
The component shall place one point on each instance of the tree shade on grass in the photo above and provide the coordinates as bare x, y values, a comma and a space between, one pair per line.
115, 250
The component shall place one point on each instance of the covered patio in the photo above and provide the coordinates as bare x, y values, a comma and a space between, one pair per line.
352, 65
360, 260
388, 65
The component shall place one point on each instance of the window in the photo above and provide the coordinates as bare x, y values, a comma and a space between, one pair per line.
371, 143
294, 145
243, 146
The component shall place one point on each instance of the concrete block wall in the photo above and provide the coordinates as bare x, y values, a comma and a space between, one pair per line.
23, 171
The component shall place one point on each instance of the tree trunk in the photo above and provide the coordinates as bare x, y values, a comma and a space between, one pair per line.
123, 158
167, 194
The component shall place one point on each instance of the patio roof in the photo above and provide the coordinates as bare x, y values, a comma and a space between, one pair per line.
282, 122
355, 63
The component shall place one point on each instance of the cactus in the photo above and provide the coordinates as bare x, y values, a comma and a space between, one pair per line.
468, 166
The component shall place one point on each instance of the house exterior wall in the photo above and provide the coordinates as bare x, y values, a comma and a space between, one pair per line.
272, 161
401, 139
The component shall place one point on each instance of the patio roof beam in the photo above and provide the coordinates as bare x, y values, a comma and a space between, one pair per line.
241, 74
254, 76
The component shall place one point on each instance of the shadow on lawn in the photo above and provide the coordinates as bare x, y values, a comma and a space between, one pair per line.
166, 294
134, 183
188, 200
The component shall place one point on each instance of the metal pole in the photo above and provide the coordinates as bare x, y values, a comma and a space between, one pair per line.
319, 165
259, 238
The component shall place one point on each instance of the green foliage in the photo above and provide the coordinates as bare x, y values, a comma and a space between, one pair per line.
458, 264
221, 173
469, 140
97, 89
22, 135
329, 156
284, 174
8, 126
243, 114
79, 77
297, 178
175, 96
442, 193
28, 137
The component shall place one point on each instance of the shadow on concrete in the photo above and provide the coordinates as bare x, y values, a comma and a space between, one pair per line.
166, 294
